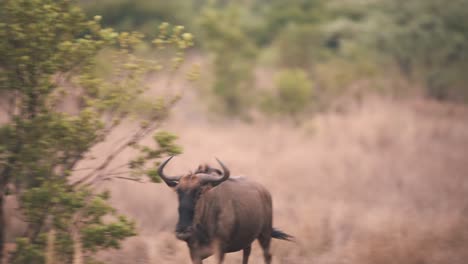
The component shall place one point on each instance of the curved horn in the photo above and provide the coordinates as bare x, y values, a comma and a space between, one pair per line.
213, 179
170, 181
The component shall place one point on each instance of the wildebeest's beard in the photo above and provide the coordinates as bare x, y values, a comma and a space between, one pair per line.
187, 202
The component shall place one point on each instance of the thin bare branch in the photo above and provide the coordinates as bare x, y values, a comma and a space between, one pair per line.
131, 179
82, 169
118, 167
139, 135
125, 178
117, 173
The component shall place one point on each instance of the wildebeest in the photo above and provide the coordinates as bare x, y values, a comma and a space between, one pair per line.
219, 214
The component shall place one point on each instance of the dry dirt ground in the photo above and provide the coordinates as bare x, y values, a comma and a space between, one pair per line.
381, 181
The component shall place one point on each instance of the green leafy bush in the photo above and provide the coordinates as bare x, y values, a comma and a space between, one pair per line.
293, 94
234, 56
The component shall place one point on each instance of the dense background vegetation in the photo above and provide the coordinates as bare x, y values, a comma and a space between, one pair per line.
335, 43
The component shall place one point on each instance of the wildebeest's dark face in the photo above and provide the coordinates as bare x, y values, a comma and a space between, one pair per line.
189, 189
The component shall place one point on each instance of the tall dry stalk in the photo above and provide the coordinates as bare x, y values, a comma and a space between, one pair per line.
77, 248
50, 252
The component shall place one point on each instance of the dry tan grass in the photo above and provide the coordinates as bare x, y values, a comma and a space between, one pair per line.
381, 182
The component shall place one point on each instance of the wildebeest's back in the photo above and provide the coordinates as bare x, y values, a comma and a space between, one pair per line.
239, 210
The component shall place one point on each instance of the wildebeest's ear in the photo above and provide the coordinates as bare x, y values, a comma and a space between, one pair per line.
203, 168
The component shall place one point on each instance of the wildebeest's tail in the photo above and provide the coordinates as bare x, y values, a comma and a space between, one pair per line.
278, 234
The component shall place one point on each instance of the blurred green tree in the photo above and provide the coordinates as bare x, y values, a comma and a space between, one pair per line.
48, 57
425, 39
429, 40
278, 14
299, 46
234, 55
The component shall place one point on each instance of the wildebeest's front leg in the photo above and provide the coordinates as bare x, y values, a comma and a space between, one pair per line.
196, 258
220, 257
218, 250
245, 257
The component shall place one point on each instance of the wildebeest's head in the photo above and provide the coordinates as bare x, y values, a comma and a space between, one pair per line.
189, 189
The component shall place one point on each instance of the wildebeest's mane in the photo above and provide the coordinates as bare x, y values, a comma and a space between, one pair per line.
205, 168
